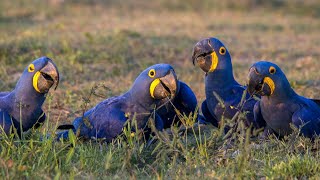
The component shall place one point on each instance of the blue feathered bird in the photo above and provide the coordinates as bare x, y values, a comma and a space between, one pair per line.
22, 106
280, 105
212, 56
156, 85
185, 102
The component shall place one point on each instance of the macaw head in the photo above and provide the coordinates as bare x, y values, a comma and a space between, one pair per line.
210, 55
267, 79
157, 82
39, 76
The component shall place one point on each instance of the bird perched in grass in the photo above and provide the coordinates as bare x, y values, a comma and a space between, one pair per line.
21, 109
107, 119
280, 106
223, 92
184, 103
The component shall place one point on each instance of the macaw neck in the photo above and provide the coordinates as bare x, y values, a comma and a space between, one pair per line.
27, 104
281, 95
141, 99
219, 78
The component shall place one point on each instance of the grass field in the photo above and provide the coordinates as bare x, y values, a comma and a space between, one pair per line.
110, 42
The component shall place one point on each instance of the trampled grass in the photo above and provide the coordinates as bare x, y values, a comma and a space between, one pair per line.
110, 42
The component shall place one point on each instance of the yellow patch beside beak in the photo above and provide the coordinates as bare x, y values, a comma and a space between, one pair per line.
153, 86
214, 63
35, 81
270, 83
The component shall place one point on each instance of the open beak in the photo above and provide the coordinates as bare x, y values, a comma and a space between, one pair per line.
196, 53
259, 84
163, 87
201, 49
47, 77
204, 56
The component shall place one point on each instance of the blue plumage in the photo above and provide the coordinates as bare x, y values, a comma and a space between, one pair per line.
214, 59
280, 105
154, 86
22, 106
185, 102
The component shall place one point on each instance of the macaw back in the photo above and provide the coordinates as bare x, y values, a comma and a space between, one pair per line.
107, 119
299, 111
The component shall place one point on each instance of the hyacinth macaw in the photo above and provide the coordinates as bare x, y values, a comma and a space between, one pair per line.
212, 56
155, 86
280, 105
21, 108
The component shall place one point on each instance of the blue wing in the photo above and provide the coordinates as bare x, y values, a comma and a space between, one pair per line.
159, 122
104, 121
186, 99
308, 119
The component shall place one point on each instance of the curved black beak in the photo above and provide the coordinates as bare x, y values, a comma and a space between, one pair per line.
256, 83
49, 76
201, 49
167, 87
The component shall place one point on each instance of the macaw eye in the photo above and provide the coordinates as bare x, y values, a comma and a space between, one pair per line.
272, 70
152, 73
31, 68
222, 50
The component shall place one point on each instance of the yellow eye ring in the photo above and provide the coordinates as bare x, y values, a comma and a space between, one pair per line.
272, 70
152, 73
31, 68
222, 50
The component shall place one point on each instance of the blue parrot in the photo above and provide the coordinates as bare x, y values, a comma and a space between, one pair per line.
185, 102
214, 59
22, 106
107, 119
280, 106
